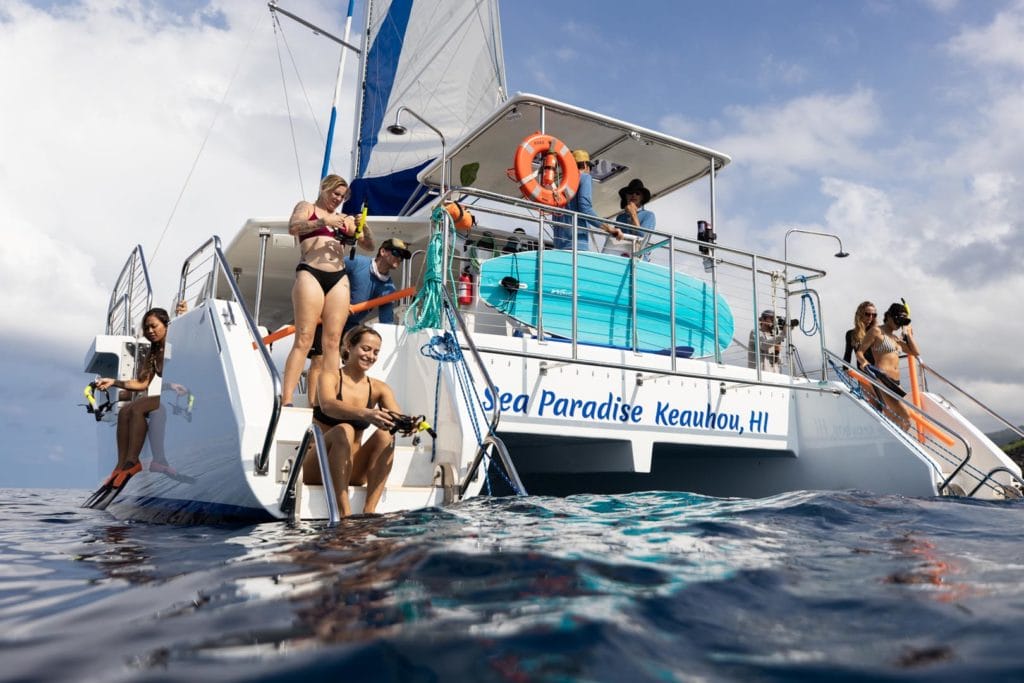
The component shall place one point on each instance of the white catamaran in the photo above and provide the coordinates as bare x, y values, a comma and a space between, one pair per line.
548, 371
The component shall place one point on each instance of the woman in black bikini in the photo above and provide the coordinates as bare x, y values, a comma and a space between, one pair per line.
321, 290
349, 403
885, 344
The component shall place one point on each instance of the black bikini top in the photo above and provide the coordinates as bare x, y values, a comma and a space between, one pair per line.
358, 425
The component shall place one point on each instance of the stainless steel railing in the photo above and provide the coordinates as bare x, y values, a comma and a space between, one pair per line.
131, 296
200, 270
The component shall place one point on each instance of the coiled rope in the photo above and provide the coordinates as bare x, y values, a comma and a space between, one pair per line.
425, 310
807, 303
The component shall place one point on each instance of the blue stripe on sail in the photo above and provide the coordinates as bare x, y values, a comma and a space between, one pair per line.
381, 67
384, 195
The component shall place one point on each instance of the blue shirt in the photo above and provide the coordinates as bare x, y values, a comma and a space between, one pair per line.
365, 286
645, 217
582, 202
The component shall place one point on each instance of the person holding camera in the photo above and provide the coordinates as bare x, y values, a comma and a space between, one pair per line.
769, 335
885, 342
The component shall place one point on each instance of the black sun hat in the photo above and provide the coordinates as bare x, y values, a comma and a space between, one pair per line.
635, 185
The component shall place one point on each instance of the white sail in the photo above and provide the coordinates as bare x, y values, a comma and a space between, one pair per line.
442, 60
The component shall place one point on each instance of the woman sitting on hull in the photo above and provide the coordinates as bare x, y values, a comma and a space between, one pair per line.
885, 342
350, 402
132, 425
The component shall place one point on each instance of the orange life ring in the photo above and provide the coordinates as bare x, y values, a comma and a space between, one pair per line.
544, 189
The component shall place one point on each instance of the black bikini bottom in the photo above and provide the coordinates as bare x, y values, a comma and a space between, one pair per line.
891, 384
326, 278
321, 416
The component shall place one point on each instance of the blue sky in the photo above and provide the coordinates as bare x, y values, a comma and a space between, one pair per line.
894, 124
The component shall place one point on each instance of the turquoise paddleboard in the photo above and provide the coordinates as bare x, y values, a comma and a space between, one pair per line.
604, 303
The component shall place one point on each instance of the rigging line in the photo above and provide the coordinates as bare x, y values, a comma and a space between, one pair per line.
202, 146
287, 104
302, 86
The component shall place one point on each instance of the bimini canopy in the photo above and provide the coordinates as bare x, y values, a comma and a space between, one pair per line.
621, 151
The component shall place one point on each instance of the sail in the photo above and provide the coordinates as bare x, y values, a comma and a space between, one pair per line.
442, 60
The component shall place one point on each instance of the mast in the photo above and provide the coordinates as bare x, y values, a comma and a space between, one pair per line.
337, 91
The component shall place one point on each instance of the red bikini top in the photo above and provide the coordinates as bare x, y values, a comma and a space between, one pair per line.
319, 232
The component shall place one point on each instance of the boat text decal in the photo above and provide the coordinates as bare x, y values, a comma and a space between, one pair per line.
614, 409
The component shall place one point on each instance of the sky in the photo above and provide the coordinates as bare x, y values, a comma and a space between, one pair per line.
895, 125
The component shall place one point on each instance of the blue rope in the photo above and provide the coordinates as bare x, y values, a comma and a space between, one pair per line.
446, 348
850, 383
806, 299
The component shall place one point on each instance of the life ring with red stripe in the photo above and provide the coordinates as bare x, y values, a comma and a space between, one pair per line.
543, 185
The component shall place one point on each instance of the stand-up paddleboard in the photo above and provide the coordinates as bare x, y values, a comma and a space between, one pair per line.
604, 304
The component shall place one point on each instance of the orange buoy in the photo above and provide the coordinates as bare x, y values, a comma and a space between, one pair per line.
556, 157
461, 217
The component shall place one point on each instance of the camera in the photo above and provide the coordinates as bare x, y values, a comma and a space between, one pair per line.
780, 322
705, 233
901, 319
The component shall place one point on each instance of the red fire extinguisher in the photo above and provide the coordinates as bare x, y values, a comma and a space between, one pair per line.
465, 288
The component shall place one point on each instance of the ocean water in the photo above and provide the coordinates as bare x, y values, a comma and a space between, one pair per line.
645, 587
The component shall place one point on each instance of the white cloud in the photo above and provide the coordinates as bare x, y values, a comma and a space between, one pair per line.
1001, 43
809, 132
116, 101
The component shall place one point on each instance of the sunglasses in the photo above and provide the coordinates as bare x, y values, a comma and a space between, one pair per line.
395, 251
869, 315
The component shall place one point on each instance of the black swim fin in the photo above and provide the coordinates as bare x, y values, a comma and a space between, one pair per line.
108, 490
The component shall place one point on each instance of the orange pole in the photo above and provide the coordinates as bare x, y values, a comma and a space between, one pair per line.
356, 308
915, 391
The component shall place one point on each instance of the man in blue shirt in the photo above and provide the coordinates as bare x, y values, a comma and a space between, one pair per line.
582, 202
368, 279
371, 278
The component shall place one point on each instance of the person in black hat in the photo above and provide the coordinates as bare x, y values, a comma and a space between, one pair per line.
632, 199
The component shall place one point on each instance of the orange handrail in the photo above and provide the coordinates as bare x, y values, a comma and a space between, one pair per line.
355, 308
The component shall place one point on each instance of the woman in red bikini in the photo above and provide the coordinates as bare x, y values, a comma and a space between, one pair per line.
321, 289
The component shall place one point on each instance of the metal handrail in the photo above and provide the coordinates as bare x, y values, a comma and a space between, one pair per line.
991, 472
491, 436
288, 497
502, 206
263, 458
921, 414
1011, 426
506, 461
123, 293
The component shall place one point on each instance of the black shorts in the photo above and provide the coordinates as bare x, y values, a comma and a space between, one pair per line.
317, 349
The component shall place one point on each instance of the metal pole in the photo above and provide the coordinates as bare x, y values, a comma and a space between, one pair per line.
264, 234
672, 298
757, 316
714, 266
